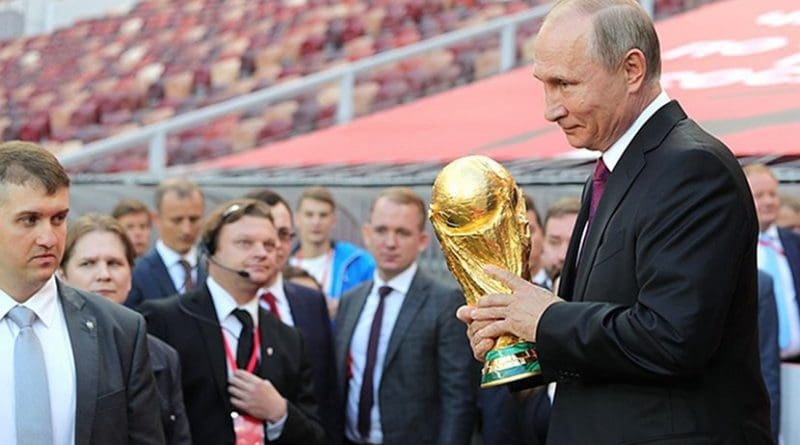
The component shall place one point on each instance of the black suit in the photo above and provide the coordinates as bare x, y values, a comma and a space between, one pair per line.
659, 344
117, 402
310, 315
770, 351
167, 371
189, 324
151, 279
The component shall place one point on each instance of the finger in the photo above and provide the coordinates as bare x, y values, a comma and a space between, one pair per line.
463, 314
477, 326
489, 313
238, 393
493, 300
481, 348
494, 330
513, 282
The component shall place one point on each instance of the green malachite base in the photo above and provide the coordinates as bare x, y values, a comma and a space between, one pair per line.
518, 362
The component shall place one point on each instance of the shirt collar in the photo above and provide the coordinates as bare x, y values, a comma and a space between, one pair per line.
772, 232
276, 289
172, 257
612, 156
42, 302
224, 303
401, 283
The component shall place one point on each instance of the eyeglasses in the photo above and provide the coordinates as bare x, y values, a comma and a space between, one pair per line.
286, 235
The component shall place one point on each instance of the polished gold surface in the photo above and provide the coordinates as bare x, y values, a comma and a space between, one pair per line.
478, 214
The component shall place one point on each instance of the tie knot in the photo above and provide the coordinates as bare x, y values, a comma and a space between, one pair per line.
269, 297
22, 316
601, 172
383, 291
244, 317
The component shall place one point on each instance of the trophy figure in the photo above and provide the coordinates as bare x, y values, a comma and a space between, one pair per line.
478, 214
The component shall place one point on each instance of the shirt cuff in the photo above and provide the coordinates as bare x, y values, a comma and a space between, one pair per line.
274, 430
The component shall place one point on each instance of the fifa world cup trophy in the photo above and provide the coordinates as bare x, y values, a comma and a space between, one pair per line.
478, 213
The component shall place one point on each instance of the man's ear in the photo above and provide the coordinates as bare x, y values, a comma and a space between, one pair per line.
634, 65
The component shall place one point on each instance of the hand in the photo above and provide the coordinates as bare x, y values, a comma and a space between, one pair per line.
516, 314
256, 396
480, 346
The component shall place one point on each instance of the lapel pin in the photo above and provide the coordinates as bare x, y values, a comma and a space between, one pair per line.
269, 351
89, 325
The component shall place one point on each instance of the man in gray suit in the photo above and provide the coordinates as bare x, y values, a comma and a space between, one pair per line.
403, 362
78, 364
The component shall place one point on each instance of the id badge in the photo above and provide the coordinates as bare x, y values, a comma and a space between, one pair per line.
248, 430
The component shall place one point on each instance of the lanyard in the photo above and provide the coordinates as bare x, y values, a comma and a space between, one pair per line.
251, 364
769, 243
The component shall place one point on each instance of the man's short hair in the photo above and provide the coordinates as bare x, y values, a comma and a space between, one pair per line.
405, 196
183, 187
618, 27
790, 201
563, 207
317, 193
758, 169
25, 163
270, 197
530, 206
96, 222
129, 206
228, 213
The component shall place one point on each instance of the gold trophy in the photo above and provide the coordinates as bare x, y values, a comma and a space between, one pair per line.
478, 214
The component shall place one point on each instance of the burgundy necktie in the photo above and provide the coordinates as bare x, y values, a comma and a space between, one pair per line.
366, 396
188, 283
269, 298
599, 180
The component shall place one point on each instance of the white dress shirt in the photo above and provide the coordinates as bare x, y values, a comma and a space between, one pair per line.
358, 349
172, 260
786, 293
319, 267
280, 300
51, 329
224, 305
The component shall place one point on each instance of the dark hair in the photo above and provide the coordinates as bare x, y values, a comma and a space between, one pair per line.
183, 187
96, 222
22, 163
129, 206
270, 197
228, 213
406, 196
530, 206
564, 206
290, 272
317, 193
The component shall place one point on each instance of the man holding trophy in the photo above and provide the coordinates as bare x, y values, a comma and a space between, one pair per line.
653, 337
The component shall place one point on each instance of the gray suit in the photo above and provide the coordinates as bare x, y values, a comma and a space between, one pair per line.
428, 389
117, 401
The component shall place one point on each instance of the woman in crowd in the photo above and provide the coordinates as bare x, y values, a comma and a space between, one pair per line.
98, 258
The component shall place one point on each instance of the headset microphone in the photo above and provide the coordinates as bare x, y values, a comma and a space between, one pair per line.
241, 273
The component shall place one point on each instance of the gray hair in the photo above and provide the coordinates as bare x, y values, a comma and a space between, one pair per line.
618, 27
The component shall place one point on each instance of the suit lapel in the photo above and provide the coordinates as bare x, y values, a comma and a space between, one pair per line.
412, 303
566, 288
199, 302
625, 173
82, 328
297, 306
160, 274
345, 326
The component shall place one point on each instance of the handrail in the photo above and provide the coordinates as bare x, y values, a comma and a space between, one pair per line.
155, 135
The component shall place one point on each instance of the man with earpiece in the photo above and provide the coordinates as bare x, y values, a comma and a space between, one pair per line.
247, 377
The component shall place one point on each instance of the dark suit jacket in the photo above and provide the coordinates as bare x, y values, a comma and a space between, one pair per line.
117, 401
660, 342
791, 248
310, 314
189, 324
167, 371
769, 348
151, 279
428, 390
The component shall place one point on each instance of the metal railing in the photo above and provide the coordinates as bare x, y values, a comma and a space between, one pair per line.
155, 135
